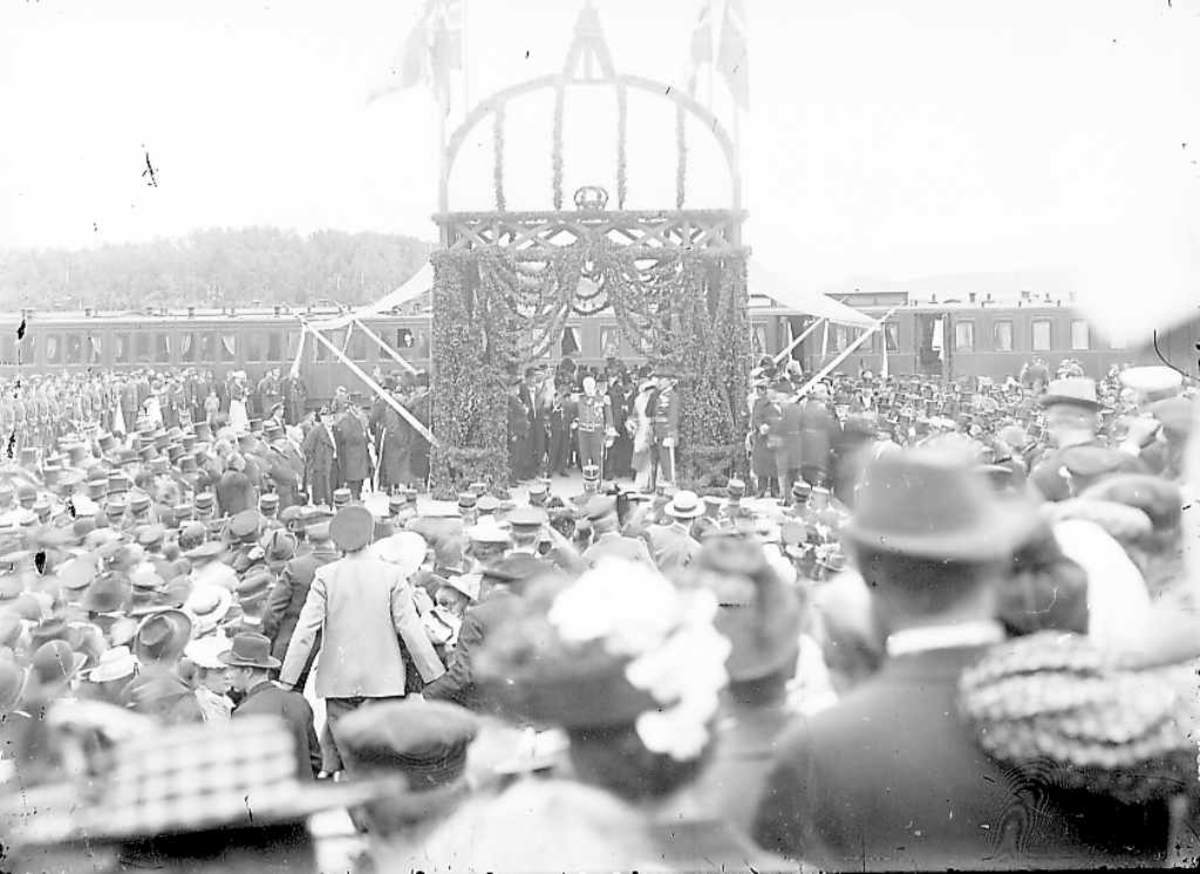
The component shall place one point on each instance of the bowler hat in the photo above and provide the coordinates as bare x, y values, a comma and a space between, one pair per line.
55, 662
244, 526
352, 528
250, 651
932, 504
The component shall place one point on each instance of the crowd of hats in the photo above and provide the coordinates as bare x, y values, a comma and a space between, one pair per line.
102, 582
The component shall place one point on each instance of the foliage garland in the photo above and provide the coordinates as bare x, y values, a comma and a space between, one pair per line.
498, 157
622, 124
497, 309
681, 151
556, 157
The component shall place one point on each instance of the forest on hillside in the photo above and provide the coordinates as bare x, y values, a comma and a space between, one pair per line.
210, 268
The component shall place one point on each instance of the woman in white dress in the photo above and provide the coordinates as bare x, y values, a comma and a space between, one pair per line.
642, 429
239, 420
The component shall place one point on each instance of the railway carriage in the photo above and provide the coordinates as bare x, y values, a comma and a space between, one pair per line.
949, 340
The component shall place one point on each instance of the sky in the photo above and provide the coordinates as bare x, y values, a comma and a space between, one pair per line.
883, 140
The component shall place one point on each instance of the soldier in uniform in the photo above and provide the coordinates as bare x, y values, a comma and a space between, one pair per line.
594, 425
665, 428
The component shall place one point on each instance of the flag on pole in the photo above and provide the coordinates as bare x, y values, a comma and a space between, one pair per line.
732, 57
431, 53
702, 45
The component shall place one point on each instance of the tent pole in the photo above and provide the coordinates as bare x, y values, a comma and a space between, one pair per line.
796, 342
384, 346
849, 350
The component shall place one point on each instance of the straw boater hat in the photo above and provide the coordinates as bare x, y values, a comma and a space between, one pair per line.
250, 651
685, 505
116, 663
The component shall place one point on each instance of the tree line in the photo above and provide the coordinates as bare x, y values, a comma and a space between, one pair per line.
212, 267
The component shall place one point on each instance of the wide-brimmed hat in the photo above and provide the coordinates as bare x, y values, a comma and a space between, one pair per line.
207, 651
466, 584
250, 651
352, 527
933, 504
108, 593
1078, 391
55, 663
162, 636
207, 605
685, 505
115, 663
404, 549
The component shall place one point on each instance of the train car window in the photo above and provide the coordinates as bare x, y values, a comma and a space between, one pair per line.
187, 347
228, 347
208, 347
96, 348
1042, 335
1080, 335
53, 349
252, 346
570, 344
404, 339
141, 347
841, 338
74, 349
293, 343
162, 348
1002, 336
8, 348
274, 346
122, 350
964, 336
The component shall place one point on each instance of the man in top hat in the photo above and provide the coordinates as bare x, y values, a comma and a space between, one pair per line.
934, 544
363, 608
250, 664
664, 411
1079, 455
285, 467
354, 462
673, 546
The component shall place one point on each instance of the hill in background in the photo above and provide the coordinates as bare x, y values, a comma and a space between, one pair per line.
212, 267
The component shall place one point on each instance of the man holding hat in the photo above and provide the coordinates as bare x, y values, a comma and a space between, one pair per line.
249, 663
363, 608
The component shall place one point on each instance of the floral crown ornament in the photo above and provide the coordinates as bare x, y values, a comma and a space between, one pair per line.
674, 652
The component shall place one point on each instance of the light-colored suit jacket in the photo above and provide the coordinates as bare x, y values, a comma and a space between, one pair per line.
363, 607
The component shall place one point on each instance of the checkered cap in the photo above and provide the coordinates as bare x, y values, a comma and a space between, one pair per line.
197, 778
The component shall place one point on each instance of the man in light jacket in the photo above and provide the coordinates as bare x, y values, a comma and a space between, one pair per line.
364, 609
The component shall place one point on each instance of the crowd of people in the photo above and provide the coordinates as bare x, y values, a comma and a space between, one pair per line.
934, 625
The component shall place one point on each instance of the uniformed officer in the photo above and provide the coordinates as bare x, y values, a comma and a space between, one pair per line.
594, 424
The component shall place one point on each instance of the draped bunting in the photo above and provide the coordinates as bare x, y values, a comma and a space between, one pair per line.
497, 309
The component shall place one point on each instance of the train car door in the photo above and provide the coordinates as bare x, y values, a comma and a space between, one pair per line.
934, 344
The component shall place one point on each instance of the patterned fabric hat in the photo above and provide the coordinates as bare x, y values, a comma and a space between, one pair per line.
1054, 707
188, 779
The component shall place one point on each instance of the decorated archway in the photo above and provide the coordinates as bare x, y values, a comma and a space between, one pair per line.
505, 283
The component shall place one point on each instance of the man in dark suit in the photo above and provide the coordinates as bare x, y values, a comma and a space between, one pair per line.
501, 587
354, 462
249, 664
893, 777
290, 592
